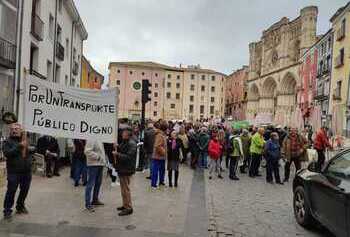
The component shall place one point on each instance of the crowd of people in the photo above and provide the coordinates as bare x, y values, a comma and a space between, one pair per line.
163, 146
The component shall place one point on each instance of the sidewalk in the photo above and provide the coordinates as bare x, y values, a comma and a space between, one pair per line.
56, 207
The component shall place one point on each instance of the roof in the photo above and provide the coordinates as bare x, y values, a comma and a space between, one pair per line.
91, 67
340, 11
72, 9
154, 65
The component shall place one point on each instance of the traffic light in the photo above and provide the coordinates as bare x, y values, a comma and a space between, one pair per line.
146, 91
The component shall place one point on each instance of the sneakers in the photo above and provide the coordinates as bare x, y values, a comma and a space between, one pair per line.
7, 217
115, 184
210, 177
97, 203
120, 208
148, 177
125, 212
90, 209
234, 178
220, 177
22, 211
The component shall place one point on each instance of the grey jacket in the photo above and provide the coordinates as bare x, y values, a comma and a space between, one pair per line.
95, 153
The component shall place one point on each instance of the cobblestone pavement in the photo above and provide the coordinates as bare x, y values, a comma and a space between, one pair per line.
252, 208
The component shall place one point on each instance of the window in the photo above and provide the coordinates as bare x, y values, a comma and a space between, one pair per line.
191, 98
143, 73
192, 76
178, 77
49, 71
118, 82
155, 94
213, 89
169, 76
130, 72
156, 74
192, 87
67, 48
177, 85
172, 106
337, 93
60, 2
169, 84
57, 74
155, 103
191, 109
202, 88
155, 85
155, 113
177, 96
212, 99
51, 27
211, 109
213, 78
203, 77
202, 109
59, 33
168, 95
118, 71
340, 167
72, 83
34, 58
66, 80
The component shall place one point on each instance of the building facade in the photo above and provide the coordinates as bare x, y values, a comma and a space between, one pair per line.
274, 68
8, 54
236, 94
51, 42
189, 93
90, 78
340, 99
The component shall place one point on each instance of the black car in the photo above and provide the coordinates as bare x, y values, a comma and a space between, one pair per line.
324, 197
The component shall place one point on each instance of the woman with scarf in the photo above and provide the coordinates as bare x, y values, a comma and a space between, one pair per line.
174, 144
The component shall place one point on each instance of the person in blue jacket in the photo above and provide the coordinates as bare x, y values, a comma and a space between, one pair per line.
272, 156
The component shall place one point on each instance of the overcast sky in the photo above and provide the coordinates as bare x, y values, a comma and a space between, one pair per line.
212, 33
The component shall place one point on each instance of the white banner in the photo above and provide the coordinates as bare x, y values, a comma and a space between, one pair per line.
68, 112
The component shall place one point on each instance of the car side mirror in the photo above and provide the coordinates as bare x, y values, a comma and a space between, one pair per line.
312, 167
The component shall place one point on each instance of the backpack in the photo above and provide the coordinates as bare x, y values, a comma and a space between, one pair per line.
230, 147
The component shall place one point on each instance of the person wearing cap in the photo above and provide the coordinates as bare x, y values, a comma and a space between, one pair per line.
19, 170
125, 164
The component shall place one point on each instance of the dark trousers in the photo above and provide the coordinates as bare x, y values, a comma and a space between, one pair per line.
246, 162
80, 171
170, 177
254, 165
94, 182
184, 154
194, 160
297, 164
272, 168
72, 167
52, 166
13, 182
233, 166
320, 160
158, 172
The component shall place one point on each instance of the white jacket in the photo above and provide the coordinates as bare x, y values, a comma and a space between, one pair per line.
95, 153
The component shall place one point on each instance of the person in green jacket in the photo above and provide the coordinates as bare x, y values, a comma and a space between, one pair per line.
235, 154
256, 150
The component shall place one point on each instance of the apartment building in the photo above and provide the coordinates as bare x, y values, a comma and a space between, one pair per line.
8, 47
90, 78
51, 42
340, 86
181, 92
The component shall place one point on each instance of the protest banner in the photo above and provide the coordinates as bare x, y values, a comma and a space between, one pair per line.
68, 112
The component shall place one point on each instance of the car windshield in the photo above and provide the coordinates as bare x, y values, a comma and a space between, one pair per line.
340, 166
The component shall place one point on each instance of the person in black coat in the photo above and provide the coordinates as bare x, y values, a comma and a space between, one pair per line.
48, 147
148, 145
174, 145
193, 140
125, 164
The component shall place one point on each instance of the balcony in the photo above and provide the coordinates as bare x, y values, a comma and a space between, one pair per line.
7, 54
75, 68
37, 27
59, 51
321, 94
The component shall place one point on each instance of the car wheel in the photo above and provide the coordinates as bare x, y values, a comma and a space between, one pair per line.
302, 211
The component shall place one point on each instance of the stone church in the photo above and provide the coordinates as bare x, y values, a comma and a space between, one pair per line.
274, 68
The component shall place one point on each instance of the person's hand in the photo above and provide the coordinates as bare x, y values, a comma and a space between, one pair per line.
24, 143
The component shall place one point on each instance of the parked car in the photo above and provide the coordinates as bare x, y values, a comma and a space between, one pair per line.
324, 197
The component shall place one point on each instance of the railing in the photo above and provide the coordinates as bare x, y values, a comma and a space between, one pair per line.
75, 68
7, 54
60, 51
37, 27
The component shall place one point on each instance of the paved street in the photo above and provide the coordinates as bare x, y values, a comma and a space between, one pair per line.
225, 208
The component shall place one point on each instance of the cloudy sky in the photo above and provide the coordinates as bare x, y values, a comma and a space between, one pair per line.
212, 33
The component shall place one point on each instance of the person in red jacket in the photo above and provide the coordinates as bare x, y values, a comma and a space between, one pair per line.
321, 142
214, 151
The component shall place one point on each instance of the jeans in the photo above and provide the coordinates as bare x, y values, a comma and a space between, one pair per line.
214, 165
272, 168
254, 165
72, 167
158, 170
94, 182
203, 159
80, 170
233, 166
297, 164
13, 181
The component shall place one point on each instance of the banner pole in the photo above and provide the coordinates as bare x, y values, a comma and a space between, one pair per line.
23, 94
